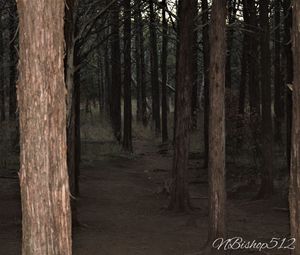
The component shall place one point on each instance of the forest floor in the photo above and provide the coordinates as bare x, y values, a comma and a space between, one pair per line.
123, 200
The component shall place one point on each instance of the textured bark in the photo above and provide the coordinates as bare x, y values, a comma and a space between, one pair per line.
154, 69
216, 163
267, 129
278, 79
46, 220
116, 81
179, 193
206, 49
294, 195
127, 138
164, 75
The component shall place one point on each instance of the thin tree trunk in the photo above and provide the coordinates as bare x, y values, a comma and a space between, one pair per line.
13, 63
180, 194
154, 69
46, 220
77, 140
195, 66
164, 56
108, 83
116, 73
100, 83
127, 138
143, 66
206, 49
138, 66
244, 75
289, 72
253, 88
216, 163
244, 61
278, 79
231, 18
266, 189
69, 30
294, 195
2, 80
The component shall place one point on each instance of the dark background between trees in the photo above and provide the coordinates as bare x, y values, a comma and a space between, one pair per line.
193, 105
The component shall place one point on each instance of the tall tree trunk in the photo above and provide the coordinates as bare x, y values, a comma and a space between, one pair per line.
244, 60
266, 188
231, 5
77, 140
289, 72
216, 163
13, 62
154, 69
138, 65
206, 49
46, 219
116, 73
253, 88
294, 195
100, 83
143, 65
164, 56
2, 80
195, 65
278, 79
180, 194
108, 82
127, 139
70, 57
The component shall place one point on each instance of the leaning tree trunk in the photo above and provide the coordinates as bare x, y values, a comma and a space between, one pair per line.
180, 194
294, 195
216, 163
46, 220
266, 188
127, 137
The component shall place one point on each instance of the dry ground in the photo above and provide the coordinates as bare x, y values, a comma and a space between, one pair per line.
122, 205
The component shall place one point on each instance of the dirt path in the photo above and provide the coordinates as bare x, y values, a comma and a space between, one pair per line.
124, 212
121, 209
